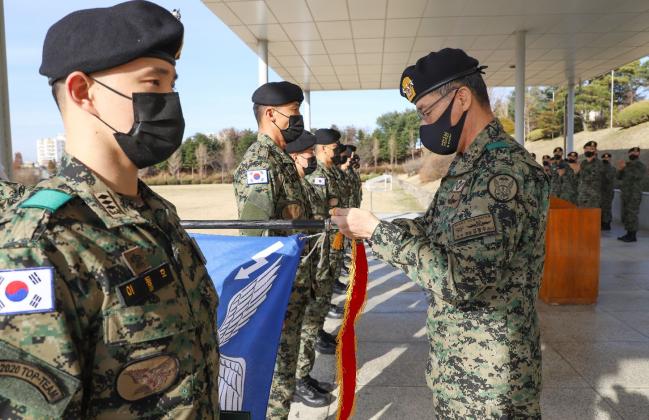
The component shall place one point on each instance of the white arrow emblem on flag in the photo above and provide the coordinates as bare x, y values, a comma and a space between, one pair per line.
26, 291
259, 261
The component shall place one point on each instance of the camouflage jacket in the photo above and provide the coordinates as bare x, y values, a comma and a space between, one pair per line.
107, 310
343, 185
631, 177
325, 183
479, 252
267, 187
10, 192
357, 187
608, 180
320, 211
589, 187
567, 186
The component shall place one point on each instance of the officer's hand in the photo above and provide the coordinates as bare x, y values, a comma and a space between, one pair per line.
354, 223
621, 164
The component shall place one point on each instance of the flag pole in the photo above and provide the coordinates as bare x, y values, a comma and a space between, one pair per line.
321, 225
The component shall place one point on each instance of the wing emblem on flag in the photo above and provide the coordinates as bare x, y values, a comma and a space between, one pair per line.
242, 306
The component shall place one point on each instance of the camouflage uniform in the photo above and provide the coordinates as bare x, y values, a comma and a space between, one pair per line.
357, 187
567, 186
316, 310
608, 183
479, 252
589, 188
134, 313
10, 192
555, 182
281, 196
631, 185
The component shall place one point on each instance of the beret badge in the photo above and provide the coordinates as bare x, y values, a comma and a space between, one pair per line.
408, 88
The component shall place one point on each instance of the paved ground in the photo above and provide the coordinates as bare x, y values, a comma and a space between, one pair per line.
595, 358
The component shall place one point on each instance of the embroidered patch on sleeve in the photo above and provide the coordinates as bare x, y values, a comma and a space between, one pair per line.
147, 376
474, 227
258, 176
503, 187
26, 291
45, 383
319, 181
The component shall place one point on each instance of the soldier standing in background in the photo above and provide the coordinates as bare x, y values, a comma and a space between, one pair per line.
267, 187
108, 310
308, 390
589, 188
631, 174
608, 184
567, 189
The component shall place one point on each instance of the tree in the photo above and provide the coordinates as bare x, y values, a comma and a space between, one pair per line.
392, 147
376, 149
202, 159
174, 163
226, 158
246, 138
18, 161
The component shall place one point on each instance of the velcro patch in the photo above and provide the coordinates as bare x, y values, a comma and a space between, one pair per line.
41, 380
26, 291
136, 290
503, 187
258, 176
135, 259
319, 181
474, 227
145, 377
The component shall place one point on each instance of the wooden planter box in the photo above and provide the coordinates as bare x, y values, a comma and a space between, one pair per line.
572, 248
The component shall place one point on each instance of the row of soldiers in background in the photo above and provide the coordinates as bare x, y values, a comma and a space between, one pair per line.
289, 173
591, 182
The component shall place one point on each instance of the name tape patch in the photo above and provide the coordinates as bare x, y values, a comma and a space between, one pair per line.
26, 291
35, 376
259, 176
474, 227
136, 290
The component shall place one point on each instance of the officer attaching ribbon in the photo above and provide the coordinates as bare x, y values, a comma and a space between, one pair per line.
346, 348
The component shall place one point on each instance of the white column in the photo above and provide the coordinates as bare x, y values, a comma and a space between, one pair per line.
262, 52
570, 118
306, 111
519, 117
5, 123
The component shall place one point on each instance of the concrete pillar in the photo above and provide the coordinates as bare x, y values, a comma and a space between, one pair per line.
519, 117
262, 52
6, 157
306, 110
570, 118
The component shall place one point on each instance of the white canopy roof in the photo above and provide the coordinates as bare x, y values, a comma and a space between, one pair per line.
366, 44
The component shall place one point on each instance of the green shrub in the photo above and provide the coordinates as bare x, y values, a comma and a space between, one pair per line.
536, 135
508, 125
633, 114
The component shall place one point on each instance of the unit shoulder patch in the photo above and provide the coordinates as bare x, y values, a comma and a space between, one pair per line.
26, 290
320, 181
503, 187
257, 176
45, 383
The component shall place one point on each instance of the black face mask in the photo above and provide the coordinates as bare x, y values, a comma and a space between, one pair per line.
633, 157
157, 130
294, 129
589, 154
440, 137
343, 159
311, 166
557, 157
605, 161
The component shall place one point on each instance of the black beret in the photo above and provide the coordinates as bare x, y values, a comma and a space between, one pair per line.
634, 149
277, 93
591, 144
91, 40
435, 70
327, 136
302, 143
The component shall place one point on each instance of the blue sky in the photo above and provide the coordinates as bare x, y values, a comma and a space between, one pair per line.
217, 75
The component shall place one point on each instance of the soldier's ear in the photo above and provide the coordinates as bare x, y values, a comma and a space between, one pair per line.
78, 91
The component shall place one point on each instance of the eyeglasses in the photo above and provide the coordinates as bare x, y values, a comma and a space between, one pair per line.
424, 113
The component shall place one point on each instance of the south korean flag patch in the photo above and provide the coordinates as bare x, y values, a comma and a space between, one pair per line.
258, 176
26, 291
319, 181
